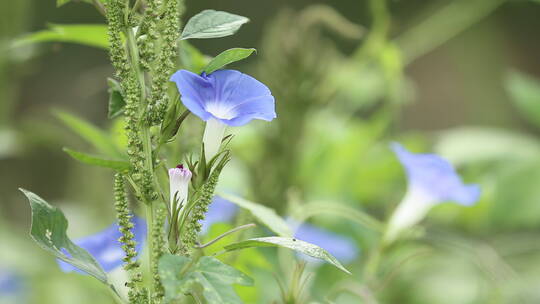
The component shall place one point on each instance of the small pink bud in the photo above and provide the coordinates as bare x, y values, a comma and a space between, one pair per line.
179, 178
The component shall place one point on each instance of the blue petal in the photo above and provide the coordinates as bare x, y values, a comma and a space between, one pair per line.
221, 210
12, 287
105, 247
232, 97
195, 91
341, 247
436, 177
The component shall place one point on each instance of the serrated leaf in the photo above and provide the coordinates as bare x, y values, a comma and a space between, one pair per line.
227, 57
92, 134
212, 24
94, 35
265, 215
290, 243
116, 100
49, 226
178, 274
524, 91
88, 159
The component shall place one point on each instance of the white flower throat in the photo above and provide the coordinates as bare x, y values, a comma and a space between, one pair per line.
213, 135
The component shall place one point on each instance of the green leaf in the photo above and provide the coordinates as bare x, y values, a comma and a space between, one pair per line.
118, 165
524, 91
467, 145
49, 226
172, 273
306, 211
227, 57
116, 100
265, 215
290, 243
212, 24
191, 58
217, 280
171, 123
178, 275
92, 134
94, 35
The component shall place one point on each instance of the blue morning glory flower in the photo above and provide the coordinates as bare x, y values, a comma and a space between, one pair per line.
12, 287
223, 98
341, 247
105, 247
436, 177
431, 180
220, 210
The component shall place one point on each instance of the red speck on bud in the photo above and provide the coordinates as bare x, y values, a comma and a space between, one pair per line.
180, 166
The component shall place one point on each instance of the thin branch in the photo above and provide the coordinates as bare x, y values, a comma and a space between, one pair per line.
388, 278
99, 6
226, 234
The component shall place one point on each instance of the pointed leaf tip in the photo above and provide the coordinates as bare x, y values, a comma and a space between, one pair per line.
212, 24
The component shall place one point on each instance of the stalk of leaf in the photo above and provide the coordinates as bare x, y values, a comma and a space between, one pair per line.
147, 145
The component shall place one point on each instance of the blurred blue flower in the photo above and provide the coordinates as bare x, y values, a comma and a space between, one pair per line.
12, 287
223, 98
431, 180
220, 210
341, 247
435, 177
105, 247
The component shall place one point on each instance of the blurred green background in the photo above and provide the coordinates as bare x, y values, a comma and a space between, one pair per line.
457, 77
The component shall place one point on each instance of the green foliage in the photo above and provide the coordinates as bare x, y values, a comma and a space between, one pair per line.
171, 122
119, 165
524, 91
180, 275
227, 57
265, 215
212, 24
123, 216
515, 203
290, 243
92, 134
62, 2
116, 100
94, 35
49, 227
308, 210
191, 58
468, 145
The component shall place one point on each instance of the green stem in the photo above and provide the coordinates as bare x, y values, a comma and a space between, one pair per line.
378, 33
443, 25
146, 136
150, 237
99, 6
372, 264
226, 234
116, 297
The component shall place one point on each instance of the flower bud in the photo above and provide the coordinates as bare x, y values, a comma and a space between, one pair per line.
179, 178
